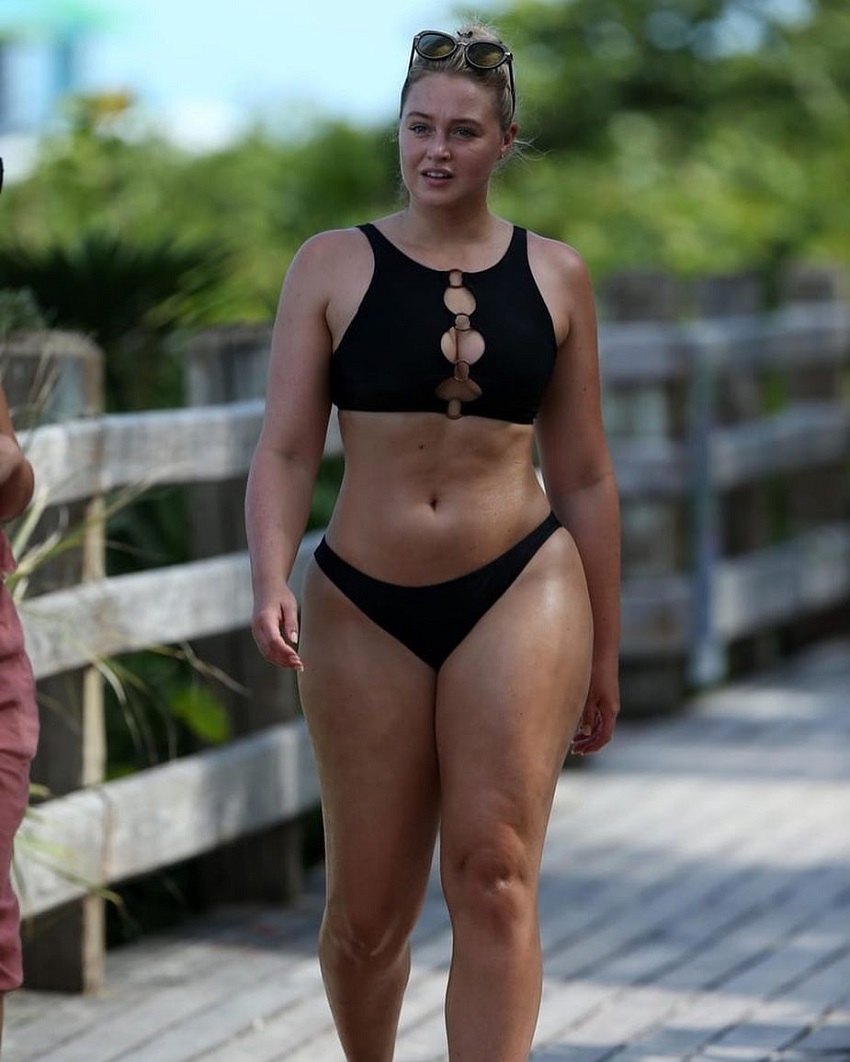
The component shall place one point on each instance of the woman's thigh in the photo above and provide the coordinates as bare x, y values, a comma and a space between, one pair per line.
369, 705
508, 702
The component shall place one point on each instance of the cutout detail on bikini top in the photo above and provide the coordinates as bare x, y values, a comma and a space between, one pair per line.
413, 319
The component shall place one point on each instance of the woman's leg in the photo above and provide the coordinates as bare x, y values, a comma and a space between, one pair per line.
369, 704
508, 701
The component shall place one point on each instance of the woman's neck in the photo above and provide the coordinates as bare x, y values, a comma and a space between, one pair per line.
438, 228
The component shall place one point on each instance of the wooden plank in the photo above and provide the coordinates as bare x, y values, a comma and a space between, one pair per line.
650, 468
227, 363
783, 582
163, 815
641, 352
50, 376
794, 337
60, 851
655, 615
83, 458
93, 621
805, 435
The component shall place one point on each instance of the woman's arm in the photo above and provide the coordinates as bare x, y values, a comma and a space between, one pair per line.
579, 479
16, 474
289, 452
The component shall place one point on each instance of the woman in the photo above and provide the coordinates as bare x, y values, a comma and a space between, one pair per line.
18, 717
460, 625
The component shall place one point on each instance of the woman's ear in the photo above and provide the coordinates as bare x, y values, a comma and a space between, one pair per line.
508, 140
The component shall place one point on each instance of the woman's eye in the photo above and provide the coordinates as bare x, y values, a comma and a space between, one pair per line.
462, 131
419, 128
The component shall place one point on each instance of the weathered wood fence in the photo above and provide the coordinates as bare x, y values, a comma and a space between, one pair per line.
730, 437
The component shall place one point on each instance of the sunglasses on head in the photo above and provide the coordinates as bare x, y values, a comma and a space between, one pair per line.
435, 45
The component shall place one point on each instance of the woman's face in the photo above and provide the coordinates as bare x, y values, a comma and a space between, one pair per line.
450, 138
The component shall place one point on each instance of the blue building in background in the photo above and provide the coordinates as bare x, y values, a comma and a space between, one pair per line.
41, 47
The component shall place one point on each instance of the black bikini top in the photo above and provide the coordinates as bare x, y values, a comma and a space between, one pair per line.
431, 340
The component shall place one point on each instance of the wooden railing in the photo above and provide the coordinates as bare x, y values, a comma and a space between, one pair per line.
730, 439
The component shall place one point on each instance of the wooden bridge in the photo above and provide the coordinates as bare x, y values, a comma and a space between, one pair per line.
695, 905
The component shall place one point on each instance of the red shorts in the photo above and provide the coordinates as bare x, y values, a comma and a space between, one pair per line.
18, 738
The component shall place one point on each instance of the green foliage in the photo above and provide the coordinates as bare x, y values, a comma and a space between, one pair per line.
150, 532
127, 297
198, 708
692, 135
158, 707
19, 310
691, 64
246, 209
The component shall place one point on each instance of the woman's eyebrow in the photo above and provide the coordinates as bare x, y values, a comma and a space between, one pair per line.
422, 114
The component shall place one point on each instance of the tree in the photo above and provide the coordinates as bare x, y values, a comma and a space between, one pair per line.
128, 298
686, 63
693, 135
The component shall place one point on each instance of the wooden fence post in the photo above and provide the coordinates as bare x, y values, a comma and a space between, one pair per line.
654, 525
818, 495
230, 365
719, 527
50, 377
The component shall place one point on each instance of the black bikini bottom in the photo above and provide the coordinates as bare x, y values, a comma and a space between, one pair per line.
433, 620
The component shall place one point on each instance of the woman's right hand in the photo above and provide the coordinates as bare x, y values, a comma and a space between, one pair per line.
274, 626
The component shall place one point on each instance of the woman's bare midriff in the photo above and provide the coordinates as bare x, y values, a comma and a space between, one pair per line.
425, 498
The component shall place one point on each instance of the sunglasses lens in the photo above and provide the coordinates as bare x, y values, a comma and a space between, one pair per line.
485, 55
435, 45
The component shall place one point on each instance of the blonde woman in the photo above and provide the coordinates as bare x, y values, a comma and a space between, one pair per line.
460, 622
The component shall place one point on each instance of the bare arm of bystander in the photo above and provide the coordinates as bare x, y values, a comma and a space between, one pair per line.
16, 474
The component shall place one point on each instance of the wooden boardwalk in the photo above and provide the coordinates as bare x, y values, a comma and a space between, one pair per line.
695, 905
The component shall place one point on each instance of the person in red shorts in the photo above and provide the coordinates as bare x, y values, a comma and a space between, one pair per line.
18, 714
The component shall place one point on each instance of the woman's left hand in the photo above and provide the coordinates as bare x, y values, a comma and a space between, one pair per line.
601, 708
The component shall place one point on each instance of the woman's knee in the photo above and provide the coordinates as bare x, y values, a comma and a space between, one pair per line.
368, 932
493, 883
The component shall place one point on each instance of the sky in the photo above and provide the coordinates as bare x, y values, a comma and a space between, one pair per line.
204, 68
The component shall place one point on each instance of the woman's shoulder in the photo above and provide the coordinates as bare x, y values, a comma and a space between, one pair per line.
562, 276
326, 260
556, 255
327, 246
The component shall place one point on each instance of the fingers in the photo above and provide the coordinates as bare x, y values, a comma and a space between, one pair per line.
275, 633
596, 727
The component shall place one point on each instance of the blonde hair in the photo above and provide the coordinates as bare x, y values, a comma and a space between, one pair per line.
497, 79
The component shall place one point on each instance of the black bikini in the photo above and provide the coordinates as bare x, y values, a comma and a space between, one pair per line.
407, 351
433, 620
460, 344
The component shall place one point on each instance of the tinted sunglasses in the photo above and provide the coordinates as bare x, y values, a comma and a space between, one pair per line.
435, 45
